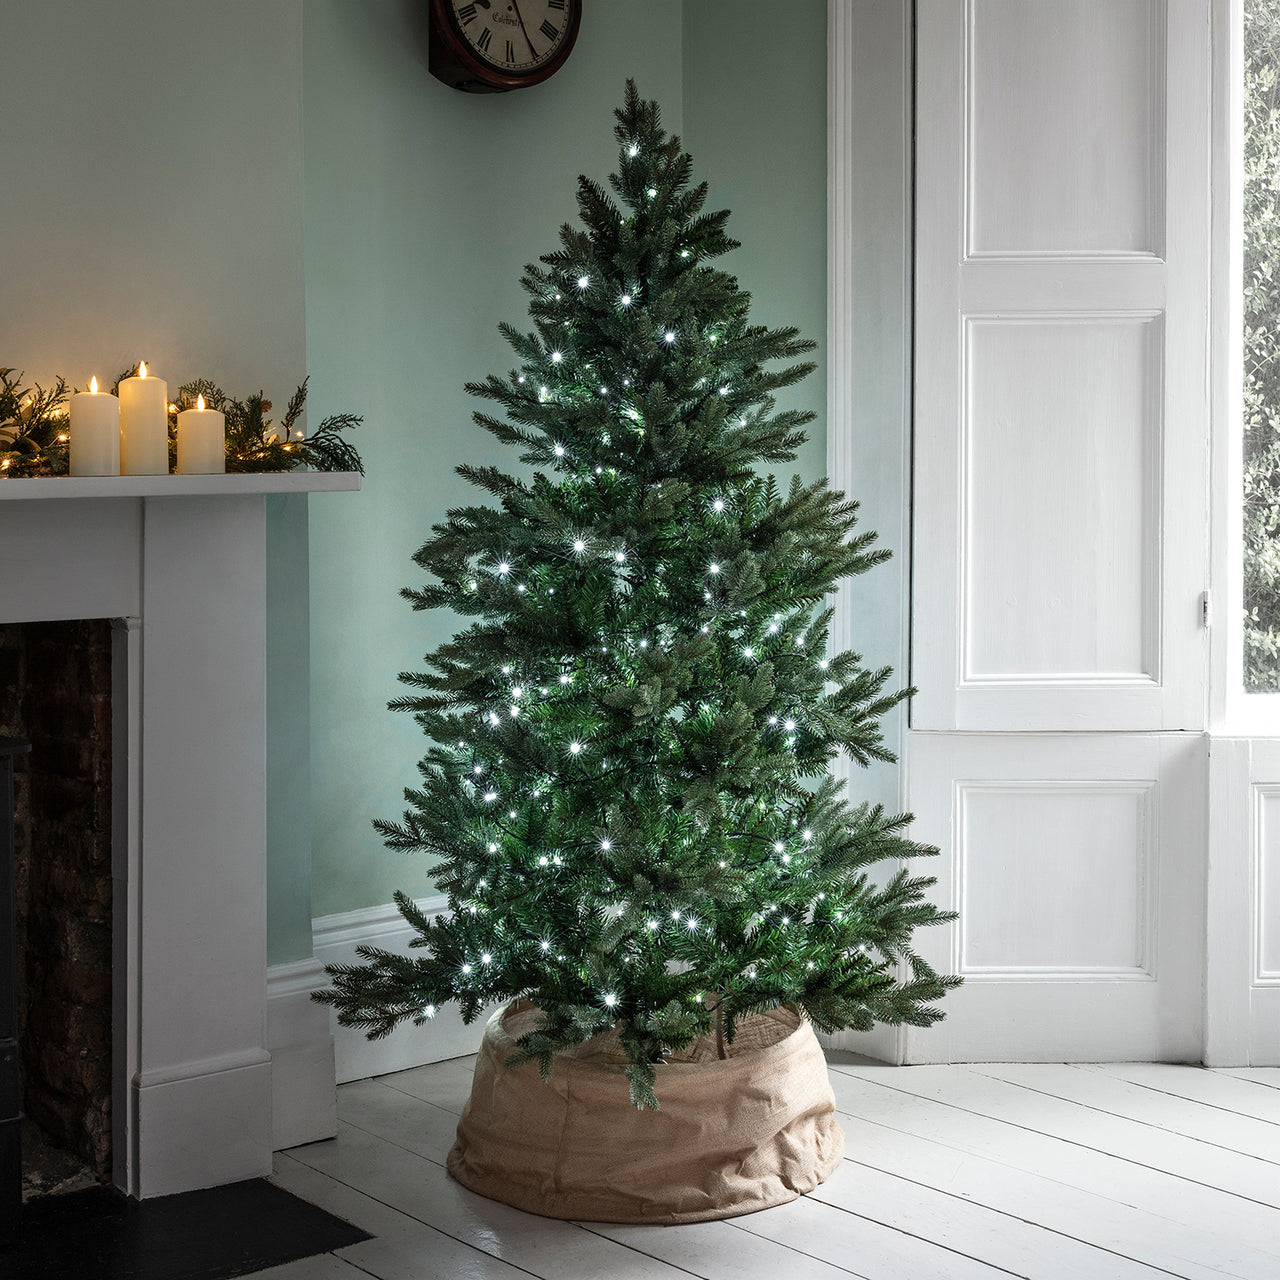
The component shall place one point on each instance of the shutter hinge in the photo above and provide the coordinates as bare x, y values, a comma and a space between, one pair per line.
1206, 609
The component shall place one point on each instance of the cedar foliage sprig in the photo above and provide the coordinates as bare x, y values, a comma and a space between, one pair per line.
33, 426
619, 796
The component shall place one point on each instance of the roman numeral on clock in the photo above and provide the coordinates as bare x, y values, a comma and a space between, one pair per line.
467, 14
483, 42
511, 53
555, 4
548, 30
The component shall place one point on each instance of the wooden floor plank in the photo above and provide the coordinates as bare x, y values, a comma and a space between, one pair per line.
971, 1090
444, 1084
1141, 1187
1021, 1247
1183, 1249
1267, 1076
1165, 1111
849, 1240
717, 1251
323, 1267
420, 1188
1212, 1088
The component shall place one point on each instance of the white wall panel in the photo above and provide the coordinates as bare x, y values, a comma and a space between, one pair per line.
1062, 566
1059, 489
1053, 879
1075, 863
1065, 112
1266, 899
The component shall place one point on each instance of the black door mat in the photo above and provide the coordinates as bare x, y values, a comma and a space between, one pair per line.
198, 1235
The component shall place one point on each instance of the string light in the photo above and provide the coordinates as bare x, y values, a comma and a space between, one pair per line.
718, 505
559, 451
556, 357
632, 150
503, 569
575, 748
669, 336
626, 302
583, 281
610, 1000
715, 568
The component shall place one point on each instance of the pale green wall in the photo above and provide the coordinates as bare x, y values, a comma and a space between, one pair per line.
422, 206
755, 121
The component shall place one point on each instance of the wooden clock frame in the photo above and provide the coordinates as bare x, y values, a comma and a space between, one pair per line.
452, 60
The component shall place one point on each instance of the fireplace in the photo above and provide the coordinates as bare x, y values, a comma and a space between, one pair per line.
178, 566
55, 692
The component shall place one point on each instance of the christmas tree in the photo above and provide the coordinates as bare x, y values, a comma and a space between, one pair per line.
627, 795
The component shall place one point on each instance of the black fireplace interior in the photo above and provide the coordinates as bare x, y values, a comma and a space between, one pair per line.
55, 693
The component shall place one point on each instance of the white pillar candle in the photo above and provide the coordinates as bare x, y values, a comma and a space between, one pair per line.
144, 425
95, 432
202, 441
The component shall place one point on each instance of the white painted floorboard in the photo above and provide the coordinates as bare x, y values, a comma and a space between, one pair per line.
1129, 1171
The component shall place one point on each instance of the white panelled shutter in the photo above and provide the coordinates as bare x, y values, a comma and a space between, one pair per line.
1060, 521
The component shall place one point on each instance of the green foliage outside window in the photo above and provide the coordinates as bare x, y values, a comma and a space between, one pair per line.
1262, 346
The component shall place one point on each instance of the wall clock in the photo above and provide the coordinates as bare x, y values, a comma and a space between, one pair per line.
490, 46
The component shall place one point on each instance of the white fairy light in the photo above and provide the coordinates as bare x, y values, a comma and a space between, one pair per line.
704, 628
799, 642
653, 191
543, 861
546, 946
626, 302
778, 846
684, 253
555, 857
466, 968
773, 627
651, 925
504, 568
606, 845
506, 671
564, 679
724, 391
718, 505
517, 692
633, 151
691, 924
599, 471
575, 747
789, 726
471, 585
808, 835
511, 813
773, 719
669, 336
490, 796
493, 848
715, 568
786, 857
644, 644
429, 1011
493, 718
559, 451
583, 281
477, 768
610, 1000
520, 378
556, 357
675, 915
620, 557
486, 958
520, 587
748, 652
824, 664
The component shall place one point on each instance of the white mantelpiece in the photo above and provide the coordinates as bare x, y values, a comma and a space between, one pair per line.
180, 562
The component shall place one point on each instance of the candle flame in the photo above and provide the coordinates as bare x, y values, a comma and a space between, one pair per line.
142, 369
199, 402
93, 385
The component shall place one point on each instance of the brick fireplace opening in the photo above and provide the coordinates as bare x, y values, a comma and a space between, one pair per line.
55, 692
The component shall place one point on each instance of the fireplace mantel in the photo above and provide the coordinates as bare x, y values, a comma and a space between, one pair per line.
179, 562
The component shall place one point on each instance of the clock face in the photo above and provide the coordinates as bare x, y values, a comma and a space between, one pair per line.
517, 37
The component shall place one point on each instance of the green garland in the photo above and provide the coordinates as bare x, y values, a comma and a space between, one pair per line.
35, 429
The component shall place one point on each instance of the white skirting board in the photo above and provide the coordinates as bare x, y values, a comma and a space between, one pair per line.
310, 1051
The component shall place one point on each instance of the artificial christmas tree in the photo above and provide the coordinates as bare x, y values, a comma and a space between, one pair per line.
627, 794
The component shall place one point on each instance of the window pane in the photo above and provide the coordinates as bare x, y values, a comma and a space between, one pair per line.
1262, 346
